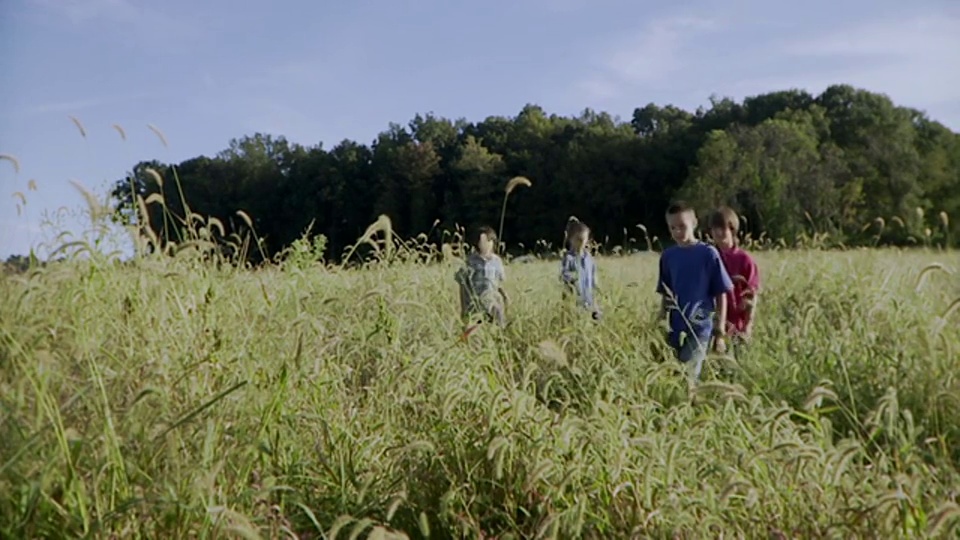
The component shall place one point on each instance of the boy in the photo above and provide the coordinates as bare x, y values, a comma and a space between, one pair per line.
693, 285
481, 280
743, 271
578, 271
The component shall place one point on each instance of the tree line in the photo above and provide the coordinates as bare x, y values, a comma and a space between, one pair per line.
847, 164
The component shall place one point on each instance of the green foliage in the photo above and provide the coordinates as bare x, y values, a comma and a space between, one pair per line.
168, 397
304, 252
795, 165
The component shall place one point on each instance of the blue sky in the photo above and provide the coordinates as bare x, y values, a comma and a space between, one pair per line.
207, 71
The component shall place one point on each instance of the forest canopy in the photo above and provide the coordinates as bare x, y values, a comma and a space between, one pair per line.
791, 163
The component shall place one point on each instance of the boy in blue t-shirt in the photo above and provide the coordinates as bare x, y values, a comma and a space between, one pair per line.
692, 284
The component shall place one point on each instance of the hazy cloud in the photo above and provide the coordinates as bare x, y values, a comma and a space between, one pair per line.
650, 56
82, 11
77, 105
144, 19
913, 57
916, 60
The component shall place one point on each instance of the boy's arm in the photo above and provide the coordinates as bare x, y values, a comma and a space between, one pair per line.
721, 303
751, 314
593, 267
753, 289
566, 273
664, 308
502, 274
663, 289
593, 280
720, 285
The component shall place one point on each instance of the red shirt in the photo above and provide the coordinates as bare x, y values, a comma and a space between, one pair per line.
746, 282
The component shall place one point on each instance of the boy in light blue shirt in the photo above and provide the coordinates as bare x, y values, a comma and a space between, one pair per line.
578, 270
693, 284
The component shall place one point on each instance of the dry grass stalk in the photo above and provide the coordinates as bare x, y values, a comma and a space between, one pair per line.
13, 161
513, 184
76, 122
156, 131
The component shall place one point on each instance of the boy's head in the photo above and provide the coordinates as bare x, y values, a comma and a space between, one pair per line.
485, 240
724, 225
682, 220
578, 234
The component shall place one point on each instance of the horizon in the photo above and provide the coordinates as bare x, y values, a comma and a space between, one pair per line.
343, 73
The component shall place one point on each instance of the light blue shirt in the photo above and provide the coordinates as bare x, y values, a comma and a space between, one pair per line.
580, 271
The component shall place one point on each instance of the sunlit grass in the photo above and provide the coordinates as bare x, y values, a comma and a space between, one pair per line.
165, 398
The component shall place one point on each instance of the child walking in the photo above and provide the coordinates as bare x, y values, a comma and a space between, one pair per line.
743, 271
693, 284
578, 271
481, 280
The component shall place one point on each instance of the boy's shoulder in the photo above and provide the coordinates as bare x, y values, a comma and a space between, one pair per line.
738, 256
745, 255
695, 250
707, 250
478, 258
670, 250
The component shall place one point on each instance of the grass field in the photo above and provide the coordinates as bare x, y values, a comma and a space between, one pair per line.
166, 399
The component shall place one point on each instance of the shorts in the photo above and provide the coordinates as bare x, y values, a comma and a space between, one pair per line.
489, 306
692, 354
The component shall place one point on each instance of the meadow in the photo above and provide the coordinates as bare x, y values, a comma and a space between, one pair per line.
167, 398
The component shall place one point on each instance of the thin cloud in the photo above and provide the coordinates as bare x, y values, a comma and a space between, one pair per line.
158, 28
73, 106
651, 56
208, 81
561, 6
911, 59
81, 11
300, 73
914, 60
888, 38
910, 56
63, 106
267, 115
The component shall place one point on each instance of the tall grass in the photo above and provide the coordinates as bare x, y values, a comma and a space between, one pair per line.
170, 398
179, 395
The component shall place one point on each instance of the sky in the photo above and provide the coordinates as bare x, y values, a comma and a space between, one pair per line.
203, 73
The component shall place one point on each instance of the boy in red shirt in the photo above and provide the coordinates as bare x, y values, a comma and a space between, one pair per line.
742, 301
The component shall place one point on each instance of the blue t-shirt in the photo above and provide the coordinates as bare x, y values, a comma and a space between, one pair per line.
691, 277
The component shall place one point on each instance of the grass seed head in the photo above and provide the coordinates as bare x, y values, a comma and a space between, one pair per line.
516, 182
13, 161
156, 131
76, 122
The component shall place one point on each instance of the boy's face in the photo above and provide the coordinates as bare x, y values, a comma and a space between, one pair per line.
485, 244
682, 225
722, 236
577, 241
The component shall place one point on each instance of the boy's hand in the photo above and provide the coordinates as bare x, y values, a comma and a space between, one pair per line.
720, 345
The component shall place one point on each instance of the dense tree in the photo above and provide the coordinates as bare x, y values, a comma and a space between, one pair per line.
790, 162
